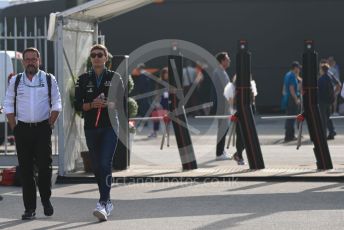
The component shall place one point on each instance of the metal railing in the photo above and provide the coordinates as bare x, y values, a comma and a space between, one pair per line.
16, 34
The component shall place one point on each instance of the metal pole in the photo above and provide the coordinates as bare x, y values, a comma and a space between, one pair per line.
95, 34
25, 33
15, 45
5, 68
246, 121
60, 60
310, 105
35, 32
177, 113
57, 78
45, 45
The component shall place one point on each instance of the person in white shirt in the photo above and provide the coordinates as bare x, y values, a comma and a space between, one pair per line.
229, 94
221, 75
34, 99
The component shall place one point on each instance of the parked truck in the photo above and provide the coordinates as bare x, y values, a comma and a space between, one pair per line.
10, 64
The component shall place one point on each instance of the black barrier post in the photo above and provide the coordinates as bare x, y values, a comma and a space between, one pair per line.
121, 159
177, 113
310, 105
243, 98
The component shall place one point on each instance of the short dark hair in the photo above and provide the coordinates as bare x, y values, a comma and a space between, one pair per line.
163, 71
296, 64
323, 61
100, 47
32, 49
325, 67
221, 56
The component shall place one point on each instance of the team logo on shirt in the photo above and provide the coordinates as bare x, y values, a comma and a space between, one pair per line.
90, 90
107, 83
90, 84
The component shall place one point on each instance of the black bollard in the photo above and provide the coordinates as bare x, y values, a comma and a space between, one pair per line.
177, 113
244, 110
121, 159
311, 109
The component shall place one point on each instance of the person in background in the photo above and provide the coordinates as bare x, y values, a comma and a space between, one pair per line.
143, 85
162, 105
222, 76
291, 99
333, 73
229, 93
325, 95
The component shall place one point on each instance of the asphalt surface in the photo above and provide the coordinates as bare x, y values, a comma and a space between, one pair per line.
194, 205
217, 205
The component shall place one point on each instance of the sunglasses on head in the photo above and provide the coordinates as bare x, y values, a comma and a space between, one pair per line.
99, 55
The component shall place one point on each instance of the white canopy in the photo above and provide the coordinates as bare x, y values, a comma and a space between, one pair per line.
74, 31
101, 10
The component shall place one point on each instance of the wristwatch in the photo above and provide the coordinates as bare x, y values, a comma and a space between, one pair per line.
52, 126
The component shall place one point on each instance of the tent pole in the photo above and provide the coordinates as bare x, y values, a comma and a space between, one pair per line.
60, 77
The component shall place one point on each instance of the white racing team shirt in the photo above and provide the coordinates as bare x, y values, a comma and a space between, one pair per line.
229, 94
32, 98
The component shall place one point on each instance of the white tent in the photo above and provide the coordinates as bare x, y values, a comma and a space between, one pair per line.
74, 31
102, 10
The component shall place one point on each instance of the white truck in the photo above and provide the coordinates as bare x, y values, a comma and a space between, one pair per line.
10, 62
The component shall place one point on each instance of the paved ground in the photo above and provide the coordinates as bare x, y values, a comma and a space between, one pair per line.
218, 205
281, 159
191, 205
271, 133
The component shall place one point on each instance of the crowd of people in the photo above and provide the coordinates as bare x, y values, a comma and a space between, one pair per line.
330, 92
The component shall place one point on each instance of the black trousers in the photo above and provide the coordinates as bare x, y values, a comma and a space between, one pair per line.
240, 145
325, 112
33, 142
221, 136
223, 126
292, 109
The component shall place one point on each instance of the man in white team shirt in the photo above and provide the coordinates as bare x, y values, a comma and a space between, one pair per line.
36, 103
221, 75
229, 94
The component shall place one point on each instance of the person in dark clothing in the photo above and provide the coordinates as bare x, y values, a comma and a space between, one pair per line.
333, 74
325, 95
101, 122
221, 75
229, 93
143, 84
162, 97
291, 99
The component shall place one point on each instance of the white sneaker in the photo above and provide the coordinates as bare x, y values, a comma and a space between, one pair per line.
100, 212
108, 207
224, 156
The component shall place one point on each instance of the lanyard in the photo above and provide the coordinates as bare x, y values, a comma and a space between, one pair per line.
34, 86
99, 78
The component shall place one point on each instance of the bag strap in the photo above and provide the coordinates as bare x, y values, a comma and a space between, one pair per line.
16, 83
48, 76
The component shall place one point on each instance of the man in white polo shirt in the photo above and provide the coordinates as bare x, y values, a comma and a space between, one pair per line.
221, 75
34, 99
